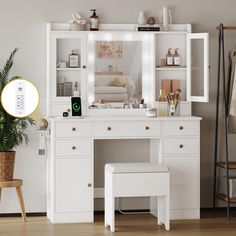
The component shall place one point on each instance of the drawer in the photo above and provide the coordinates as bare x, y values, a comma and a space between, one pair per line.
127, 129
180, 128
73, 129
180, 146
73, 147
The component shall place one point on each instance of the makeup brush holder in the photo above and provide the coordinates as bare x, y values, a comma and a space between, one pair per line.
173, 110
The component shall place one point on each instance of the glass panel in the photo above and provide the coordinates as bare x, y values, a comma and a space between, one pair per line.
118, 71
197, 67
68, 67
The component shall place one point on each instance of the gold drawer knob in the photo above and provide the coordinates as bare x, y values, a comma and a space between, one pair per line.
89, 185
109, 128
147, 128
181, 127
74, 129
84, 66
181, 146
74, 147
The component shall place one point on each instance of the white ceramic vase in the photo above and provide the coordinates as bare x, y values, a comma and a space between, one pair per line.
166, 18
142, 20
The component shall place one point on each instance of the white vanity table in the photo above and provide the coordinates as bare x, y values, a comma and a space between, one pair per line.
173, 140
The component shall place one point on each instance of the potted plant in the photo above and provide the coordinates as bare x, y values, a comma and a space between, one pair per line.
12, 129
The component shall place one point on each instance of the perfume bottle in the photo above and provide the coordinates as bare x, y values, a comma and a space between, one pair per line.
94, 21
162, 97
169, 57
176, 57
74, 59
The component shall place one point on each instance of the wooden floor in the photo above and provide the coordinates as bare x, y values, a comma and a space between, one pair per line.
133, 225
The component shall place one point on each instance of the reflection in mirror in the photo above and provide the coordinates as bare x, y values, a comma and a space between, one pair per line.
197, 73
118, 72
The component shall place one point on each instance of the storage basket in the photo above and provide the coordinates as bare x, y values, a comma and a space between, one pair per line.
7, 160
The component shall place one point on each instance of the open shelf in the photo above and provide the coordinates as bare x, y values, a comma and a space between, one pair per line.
224, 198
232, 165
171, 68
69, 69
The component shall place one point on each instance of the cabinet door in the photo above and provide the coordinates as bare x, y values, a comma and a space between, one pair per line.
184, 182
73, 185
198, 67
65, 79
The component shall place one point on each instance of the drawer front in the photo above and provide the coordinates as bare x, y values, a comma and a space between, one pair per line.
180, 146
180, 128
73, 129
127, 129
73, 147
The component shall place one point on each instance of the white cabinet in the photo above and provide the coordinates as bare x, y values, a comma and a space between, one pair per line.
64, 80
73, 185
184, 182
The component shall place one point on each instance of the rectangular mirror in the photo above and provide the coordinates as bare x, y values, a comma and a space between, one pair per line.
118, 70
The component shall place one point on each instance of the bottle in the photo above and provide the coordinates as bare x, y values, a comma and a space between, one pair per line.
74, 59
162, 97
169, 57
94, 22
142, 104
176, 57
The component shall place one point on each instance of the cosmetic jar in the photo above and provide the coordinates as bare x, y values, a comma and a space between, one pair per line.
151, 112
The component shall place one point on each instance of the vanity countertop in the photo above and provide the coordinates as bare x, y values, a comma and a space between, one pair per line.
122, 118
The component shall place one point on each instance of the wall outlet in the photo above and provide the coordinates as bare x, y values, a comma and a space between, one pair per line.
20, 95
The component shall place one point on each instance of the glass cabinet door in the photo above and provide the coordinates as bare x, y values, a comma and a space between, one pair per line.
67, 66
198, 67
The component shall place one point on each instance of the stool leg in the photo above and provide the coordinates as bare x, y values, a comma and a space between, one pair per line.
112, 214
163, 211
21, 201
109, 203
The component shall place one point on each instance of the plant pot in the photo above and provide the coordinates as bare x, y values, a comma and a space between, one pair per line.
7, 160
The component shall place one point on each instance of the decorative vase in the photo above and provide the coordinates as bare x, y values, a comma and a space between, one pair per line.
166, 18
142, 20
7, 160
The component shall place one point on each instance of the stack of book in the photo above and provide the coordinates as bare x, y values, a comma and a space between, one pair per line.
148, 27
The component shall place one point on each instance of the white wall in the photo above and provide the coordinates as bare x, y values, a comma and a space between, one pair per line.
22, 24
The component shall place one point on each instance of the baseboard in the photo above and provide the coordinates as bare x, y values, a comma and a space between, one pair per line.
30, 214
35, 214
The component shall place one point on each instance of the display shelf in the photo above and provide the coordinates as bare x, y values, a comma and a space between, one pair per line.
224, 198
68, 69
232, 165
171, 68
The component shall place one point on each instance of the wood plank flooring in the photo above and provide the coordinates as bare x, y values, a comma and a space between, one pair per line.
211, 224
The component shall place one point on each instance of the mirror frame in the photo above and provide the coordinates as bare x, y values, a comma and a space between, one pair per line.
148, 62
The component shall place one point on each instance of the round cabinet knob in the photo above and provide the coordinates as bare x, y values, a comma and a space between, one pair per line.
84, 66
181, 146
74, 129
109, 128
74, 147
68, 110
181, 127
147, 128
89, 185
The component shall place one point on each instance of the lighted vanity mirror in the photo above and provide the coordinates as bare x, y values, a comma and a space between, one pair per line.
119, 70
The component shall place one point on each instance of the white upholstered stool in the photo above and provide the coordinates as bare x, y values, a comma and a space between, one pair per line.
137, 180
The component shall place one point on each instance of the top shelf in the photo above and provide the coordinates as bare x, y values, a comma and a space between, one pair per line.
173, 29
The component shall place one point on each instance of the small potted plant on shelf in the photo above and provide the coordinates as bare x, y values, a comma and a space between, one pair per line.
12, 129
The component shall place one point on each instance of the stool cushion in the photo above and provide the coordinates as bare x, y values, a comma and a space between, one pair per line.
141, 167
